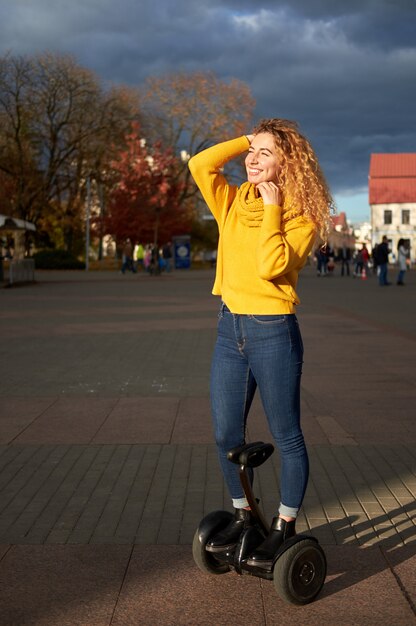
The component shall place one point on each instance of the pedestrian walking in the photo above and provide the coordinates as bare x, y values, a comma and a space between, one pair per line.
167, 256
383, 252
344, 255
402, 256
127, 261
267, 227
365, 256
321, 255
138, 255
358, 263
154, 266
331, 259
147, 258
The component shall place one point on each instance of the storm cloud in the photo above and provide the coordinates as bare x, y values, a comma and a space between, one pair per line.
346, 71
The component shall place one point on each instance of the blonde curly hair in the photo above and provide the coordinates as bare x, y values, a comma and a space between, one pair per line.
300, 177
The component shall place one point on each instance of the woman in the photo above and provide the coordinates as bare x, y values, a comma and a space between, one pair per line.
267, 228
402, 259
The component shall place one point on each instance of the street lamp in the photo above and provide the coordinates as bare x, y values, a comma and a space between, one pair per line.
87, 224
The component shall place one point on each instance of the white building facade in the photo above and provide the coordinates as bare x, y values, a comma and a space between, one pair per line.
396, 221
392, 198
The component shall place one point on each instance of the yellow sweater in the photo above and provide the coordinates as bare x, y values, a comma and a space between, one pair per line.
258, 259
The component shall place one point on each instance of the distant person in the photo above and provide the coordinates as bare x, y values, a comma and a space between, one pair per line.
344, 256
402, 256
322, 261
365, 255
383, 252
331, 259
358, 263
127, 260
154, 267
147, 257
167, 256
362, 258
138, 255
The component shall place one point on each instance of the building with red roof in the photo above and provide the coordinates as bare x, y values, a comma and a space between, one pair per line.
342, 233
392, 198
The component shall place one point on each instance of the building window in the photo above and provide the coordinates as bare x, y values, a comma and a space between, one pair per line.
405, 216
388, 216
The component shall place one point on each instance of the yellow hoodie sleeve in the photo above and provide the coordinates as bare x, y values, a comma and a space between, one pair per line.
282, 249
206, 169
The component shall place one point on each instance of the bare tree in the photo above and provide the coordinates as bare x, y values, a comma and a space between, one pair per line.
191, 111
18, 146
60, 129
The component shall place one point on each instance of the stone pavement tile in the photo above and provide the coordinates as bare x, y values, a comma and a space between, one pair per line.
333, 430
135, 326
193, 423
101, 496
111, 498
312, 430
68, 420
387, 437
59, 489
17, 414
403, 564
140, 420
258, 429
3, 549
157, 493
360, 589
61, 585
160, 585
187, 462
164, 587
392, 482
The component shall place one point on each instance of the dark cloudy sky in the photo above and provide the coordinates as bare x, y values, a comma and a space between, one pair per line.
345, 70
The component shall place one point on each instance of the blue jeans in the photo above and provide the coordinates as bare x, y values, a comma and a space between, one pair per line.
400, 276
264, 351
382, 277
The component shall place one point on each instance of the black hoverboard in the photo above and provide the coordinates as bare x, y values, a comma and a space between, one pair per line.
299, 566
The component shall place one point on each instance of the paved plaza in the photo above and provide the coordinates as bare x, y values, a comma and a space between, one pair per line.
107, 461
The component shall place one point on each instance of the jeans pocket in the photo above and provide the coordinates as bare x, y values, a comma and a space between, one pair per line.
268, 319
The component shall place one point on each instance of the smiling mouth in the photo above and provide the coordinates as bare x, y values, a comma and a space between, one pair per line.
254, 172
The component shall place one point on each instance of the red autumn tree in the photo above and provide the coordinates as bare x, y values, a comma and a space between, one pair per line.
144, 203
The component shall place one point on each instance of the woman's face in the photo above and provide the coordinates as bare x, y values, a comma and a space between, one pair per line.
263, 161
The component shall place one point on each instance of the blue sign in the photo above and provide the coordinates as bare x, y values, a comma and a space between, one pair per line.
182, 252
